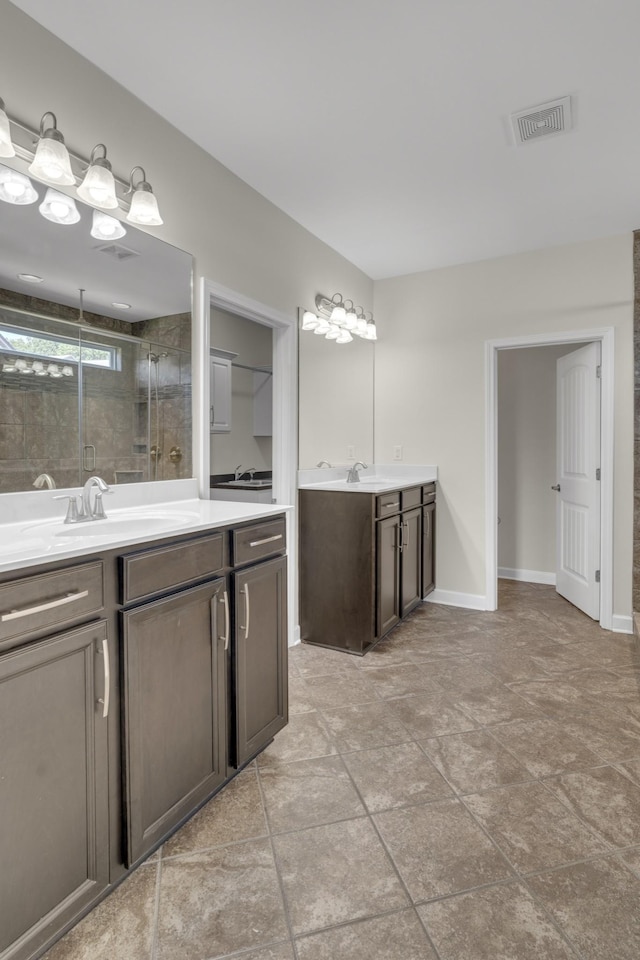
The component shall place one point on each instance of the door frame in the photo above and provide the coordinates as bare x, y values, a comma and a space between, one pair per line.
606, 336
285, 408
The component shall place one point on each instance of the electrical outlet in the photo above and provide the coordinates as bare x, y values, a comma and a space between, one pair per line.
397, 452
351, 452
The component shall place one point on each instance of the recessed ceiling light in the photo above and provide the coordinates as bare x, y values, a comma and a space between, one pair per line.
30, 278
121, 306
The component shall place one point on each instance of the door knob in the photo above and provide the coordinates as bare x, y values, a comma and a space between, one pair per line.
556, 487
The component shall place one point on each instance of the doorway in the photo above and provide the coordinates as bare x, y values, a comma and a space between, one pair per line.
569, 340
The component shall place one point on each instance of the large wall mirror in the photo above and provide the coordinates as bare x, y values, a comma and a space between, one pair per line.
95, 353
336, 398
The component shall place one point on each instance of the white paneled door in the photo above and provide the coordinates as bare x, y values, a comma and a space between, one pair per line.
578, 479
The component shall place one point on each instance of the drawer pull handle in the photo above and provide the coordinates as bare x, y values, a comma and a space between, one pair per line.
107, 680
41, 607
225, 602
387, 505
258, 543
247, 611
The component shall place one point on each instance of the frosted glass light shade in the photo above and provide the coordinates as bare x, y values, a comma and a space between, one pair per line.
338, 315
144, 207
309, 320
6, 146
59, 208
333, 332
350, 320
323, 327
370, 331
106, 227
99, 187
344, 337
51, 161
16, 187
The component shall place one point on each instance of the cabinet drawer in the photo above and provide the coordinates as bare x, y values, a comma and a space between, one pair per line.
258, 541
50, 600
151, 572
411, 497
428, 493
387, 504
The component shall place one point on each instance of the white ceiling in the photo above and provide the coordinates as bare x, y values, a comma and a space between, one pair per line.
382, 125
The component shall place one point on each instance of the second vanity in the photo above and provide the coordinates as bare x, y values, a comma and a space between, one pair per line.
366, 553
138, 674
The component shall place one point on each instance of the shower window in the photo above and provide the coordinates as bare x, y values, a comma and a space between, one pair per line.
46, 347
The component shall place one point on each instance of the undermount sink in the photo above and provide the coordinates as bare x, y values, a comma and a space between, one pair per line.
112, 527
247, 483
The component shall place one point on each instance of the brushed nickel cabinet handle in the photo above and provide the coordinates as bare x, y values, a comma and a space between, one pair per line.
387, 505
247, 610
258, 543
107, 680
41, 607
405, 543
224, 600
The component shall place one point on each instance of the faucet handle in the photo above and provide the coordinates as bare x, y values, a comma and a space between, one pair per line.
73, 515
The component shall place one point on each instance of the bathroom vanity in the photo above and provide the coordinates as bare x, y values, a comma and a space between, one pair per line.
138, 674
366, 557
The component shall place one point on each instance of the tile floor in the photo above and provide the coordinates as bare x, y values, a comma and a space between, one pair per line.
470, 790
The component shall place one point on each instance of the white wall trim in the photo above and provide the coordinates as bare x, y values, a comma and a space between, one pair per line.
451, 598
527, 576
285, 408
621, 624
606, 336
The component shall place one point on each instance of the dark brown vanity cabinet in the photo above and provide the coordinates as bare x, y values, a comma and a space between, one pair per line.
362, 563
54, 710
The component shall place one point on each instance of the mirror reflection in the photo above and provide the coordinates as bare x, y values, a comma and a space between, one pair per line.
335, 392
95, 368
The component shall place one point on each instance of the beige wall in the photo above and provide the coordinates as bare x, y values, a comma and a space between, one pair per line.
238, 238
430, 379
527, 458
253, 344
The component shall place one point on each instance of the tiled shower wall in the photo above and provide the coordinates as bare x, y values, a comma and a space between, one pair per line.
636, 424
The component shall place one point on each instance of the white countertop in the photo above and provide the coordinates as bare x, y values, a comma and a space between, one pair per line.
379, 478
33, 531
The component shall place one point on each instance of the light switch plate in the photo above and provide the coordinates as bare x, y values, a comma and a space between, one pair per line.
397, 452
351, 452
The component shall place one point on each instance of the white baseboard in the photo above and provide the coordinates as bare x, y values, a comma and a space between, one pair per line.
294, 637
451, 598
621, 623
528, 576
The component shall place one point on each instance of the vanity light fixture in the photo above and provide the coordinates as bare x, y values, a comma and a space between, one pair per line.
22, 366
144, 206
338, 319
59, 208
99, 186
51, 162
7, 148
105, 227
16, 187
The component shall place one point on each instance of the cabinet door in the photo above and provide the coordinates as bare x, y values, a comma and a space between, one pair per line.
54, 844
387, 574
220, 395
428, 548
260, 656
411, 562
174, 710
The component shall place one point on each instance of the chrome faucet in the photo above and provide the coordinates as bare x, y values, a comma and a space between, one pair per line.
45, 480
353, 475
323, 463
238, 471
79, 509
251, 472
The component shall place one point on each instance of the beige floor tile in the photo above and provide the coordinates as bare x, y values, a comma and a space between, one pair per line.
335, 873
554, 696
605, 799
120, 927
439, 849
340, 691
279, 951
236, 813
494, 704
597, 905
312, 661
611, 735
495, 923
532, 828
430, 715
401, 680
307, 793
474, 761
389, 777
390, 651
398, 936
305, 736
364, 725
632, 769
299, 698
219, 901
631, 858
544, 746
508, 666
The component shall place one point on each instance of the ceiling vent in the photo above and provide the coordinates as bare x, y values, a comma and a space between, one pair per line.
545, 120
118, 251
